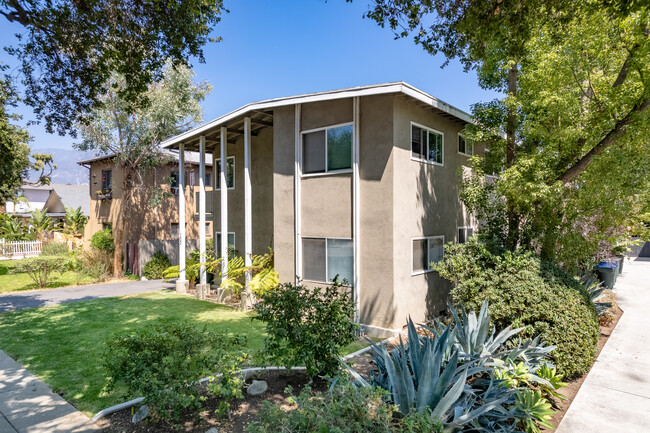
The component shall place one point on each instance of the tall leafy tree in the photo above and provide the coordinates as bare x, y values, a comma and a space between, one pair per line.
133, 133
572, 163
70, 48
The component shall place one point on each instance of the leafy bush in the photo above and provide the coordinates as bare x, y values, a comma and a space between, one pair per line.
524, 291
466, 374
164, 362
11, 229
54, 249
40, 269
345, 409
155, 267
307, 326
103, 240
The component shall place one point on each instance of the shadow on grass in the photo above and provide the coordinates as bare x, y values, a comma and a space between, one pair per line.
63, 344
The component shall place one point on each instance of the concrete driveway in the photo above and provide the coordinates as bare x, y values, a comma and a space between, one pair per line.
41, 298
615, 397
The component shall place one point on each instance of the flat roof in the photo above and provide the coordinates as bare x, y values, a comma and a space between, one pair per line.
260, 107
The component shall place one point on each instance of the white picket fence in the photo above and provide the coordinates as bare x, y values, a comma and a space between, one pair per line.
19, 249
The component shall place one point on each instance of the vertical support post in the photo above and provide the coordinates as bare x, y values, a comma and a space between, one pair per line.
296, 195
203, 275
224, 204
355, 209
181, 283
215, 176
248, 212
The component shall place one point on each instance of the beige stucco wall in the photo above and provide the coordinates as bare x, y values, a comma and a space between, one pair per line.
143, 221
261, 193
425, 203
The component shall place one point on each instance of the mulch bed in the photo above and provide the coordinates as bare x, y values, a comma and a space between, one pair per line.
243, 411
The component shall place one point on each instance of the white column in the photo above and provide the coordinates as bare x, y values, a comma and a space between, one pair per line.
355, 208
296, 195
215, 175
181, 284
224, 204
248, 212
203, 275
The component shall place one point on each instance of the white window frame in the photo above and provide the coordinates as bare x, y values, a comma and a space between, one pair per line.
326, 261
464, 153
234, 172
464, 228
428, 239
234, 238
426, 161
326, 172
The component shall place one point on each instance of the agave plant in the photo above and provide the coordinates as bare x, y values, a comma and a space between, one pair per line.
596, 291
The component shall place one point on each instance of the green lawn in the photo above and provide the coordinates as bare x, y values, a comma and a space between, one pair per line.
62, 344
19, 282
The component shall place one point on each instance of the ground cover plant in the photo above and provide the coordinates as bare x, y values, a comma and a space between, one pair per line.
12, 280
524, 291
469, 375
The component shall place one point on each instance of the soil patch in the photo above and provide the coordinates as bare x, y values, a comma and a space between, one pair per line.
574, 385
243, 411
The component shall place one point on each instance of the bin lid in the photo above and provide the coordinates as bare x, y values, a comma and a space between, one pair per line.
607, 265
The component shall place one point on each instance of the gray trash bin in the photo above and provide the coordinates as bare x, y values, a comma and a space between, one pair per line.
607, 272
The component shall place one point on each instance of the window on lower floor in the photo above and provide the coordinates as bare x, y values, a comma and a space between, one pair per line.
324, 259
426, 251
427, 144
465, 233
465, 147
230, 173
231, 242
174, 230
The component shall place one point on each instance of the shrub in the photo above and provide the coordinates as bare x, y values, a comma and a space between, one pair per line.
103, 240
467, 375
40, 269
164, 362
344, 409
524, 291
54, 249
155, 267
95, 263
307, 326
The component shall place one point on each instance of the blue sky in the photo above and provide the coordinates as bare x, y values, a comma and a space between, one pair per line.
280, 48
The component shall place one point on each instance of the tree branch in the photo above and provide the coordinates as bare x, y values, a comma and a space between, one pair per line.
609, 139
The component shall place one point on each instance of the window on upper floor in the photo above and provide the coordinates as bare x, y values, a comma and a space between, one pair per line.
208, 180
327, 150
323, 259
464, 233
427, 144
173, 177
465, 147
230, 173
426, 250
107, 181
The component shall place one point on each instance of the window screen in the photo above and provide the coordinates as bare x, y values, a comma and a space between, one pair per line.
230, 173
174, 230
340, 260
339, 148
313, 259
313, 152
418, 145
420, 254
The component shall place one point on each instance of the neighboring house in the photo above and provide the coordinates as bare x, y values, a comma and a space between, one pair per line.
148, 228
52, 198
362, 183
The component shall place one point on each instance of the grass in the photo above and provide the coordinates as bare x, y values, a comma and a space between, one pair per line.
62, 344
20, 282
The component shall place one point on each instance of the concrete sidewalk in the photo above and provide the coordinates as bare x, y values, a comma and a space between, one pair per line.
41, 298
615, 397
27, 405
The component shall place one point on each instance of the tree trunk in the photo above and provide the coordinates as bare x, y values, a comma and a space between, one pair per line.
122, 218
512, 215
